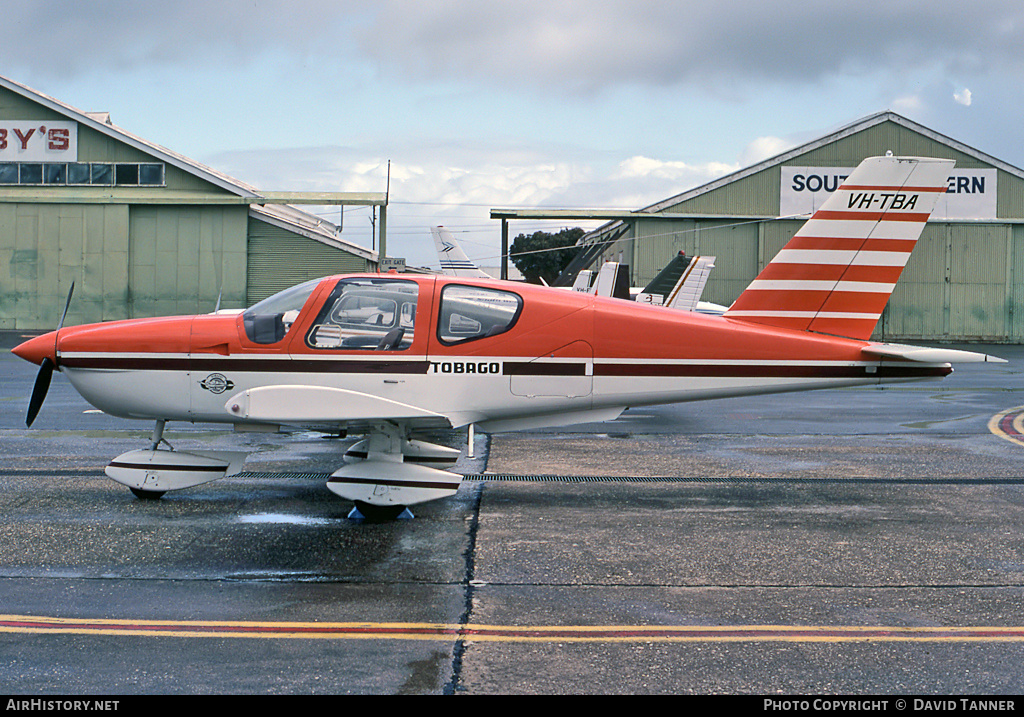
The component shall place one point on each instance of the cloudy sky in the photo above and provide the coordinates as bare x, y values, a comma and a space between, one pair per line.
527, 103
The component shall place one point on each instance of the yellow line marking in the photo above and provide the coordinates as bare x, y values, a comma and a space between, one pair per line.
998, 425
26, 624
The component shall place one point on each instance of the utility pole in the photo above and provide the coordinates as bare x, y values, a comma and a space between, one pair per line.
384, 219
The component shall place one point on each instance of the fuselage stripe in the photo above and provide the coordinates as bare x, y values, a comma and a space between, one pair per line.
824, 372
617, 367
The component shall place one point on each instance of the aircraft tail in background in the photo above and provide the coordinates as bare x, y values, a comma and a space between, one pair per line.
454, 261
680, 284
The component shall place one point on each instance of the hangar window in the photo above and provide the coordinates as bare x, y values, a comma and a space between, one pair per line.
31, 174
151, 175
132, 174
78, 173
101, 174
367, 314
470, 312
126, 174
55, 174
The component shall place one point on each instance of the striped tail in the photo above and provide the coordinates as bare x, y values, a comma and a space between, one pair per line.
836, 274
454, 261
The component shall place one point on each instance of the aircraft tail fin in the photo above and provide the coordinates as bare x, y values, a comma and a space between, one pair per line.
836, 274
680, 284
612, 280
454, 261
582, 281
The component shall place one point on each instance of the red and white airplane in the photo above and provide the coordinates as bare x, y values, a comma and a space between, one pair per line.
385, 355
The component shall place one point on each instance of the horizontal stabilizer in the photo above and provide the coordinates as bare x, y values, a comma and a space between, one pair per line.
927, 354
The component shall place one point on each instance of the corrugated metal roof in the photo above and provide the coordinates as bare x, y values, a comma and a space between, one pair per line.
307, 225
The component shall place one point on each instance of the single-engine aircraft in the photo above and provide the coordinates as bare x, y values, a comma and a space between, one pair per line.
386, 355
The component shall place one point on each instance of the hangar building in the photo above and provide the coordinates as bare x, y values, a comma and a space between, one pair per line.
964, 280
140, 230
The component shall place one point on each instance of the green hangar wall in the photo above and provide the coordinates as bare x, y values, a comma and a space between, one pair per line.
964, 281
139, 230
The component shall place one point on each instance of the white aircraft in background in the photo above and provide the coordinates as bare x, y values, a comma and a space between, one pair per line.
678, 286
454, 261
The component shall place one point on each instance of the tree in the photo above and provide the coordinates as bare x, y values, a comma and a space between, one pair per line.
541, 256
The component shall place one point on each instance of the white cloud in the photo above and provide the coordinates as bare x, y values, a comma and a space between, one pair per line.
537, 103
456, 184
908, 104
963, 97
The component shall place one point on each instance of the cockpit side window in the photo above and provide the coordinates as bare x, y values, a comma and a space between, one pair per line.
367, 314
270, 320
468, 313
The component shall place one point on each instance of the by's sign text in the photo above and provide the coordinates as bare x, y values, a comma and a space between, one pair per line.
38, 141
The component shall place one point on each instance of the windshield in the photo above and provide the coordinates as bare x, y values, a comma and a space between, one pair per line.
268, 321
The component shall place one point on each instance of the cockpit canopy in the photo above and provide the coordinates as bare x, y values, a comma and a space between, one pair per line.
379, 313
268, 321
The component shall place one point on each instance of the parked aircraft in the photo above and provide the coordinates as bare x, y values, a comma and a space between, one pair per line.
386, 355
679, 285
454, 261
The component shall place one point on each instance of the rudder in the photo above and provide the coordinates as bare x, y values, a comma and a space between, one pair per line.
836, 274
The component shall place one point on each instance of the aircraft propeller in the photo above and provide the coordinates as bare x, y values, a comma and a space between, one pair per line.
46, 366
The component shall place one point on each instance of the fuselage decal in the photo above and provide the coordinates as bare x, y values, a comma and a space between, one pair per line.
624, 368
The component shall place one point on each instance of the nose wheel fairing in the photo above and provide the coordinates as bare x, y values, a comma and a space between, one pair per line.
152, 471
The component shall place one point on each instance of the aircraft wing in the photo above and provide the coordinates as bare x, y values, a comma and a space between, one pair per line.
324, 408
322, 405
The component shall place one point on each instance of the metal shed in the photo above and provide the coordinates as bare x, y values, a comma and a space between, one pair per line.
964, 281
141, 230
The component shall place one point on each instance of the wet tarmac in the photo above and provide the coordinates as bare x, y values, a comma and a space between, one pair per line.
857, 542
